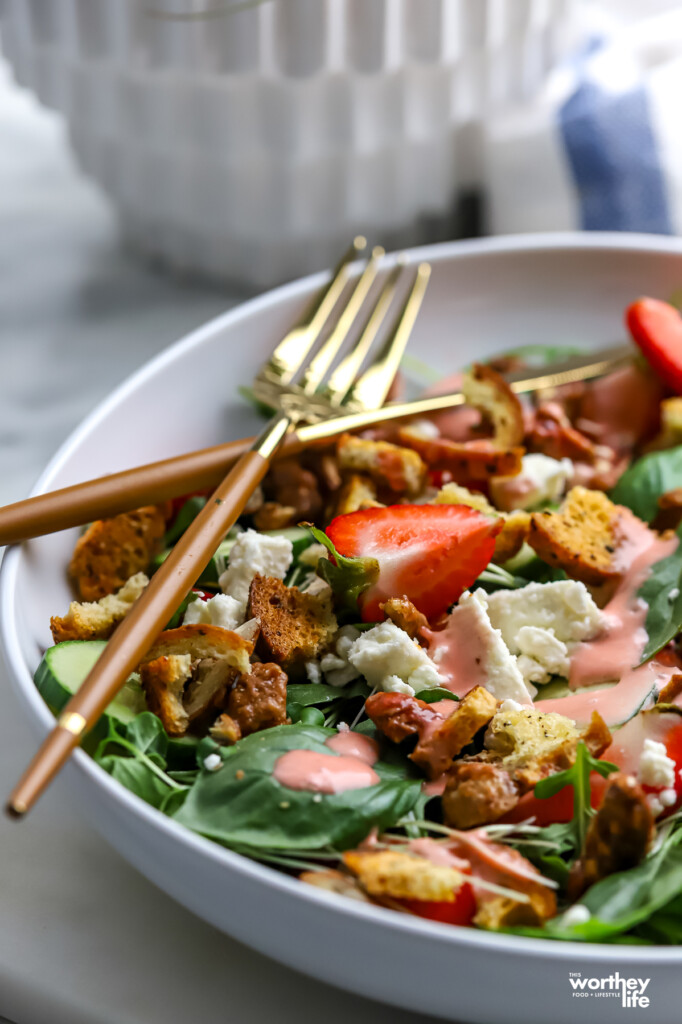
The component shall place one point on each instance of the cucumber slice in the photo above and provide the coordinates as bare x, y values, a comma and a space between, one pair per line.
65, 666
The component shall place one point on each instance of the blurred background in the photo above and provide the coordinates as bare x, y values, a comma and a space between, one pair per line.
160, 160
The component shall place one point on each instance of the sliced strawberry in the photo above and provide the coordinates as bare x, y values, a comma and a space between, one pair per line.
429, 553
656, 328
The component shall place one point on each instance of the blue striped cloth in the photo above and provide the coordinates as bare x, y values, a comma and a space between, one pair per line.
601, 148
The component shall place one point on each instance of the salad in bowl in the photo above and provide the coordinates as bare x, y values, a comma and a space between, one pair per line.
433, 667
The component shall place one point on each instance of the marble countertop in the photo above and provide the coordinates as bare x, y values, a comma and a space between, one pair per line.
84, 939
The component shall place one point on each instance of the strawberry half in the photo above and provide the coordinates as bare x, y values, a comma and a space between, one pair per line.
656, 328
429, 553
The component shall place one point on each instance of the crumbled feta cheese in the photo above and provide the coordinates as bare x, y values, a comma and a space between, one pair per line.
337, 669
673, 594
343, 727
212, 762
424, 428
313, 671
655, 805
668, 797
541, 479
222, 610
390, 660
577, 914
312, 554
510, 705
542, 654
252, 554
499, 671
565, 607
655, 767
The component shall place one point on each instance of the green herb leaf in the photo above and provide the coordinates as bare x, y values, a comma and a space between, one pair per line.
185, 517
578, 777
348, 577
242, 804
664, 617
436, 693
646, 480
148, 734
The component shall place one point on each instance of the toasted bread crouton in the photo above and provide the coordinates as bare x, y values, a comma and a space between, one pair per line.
335, 881
295, 627
618, 837
97, 620
163, 681
396, 875
258, 699
505, 912
669, 515
477, 793
112, 550
390, 465
670, 433
214, 656
553, 434
582, 537
225, 731
438, 746
403, 613
671, 691
515, 524
465, 460
488, 392
357, 493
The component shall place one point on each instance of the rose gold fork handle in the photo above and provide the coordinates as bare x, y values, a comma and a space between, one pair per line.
136, 634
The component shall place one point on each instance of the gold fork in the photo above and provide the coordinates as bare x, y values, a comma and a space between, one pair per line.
295, 402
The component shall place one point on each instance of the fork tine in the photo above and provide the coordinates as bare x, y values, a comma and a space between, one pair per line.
373, 385
290, 354
341, 380
320, 363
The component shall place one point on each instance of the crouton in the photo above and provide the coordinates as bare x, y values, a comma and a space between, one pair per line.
273, 516
477, 793
671, 691
225, 731
97, 620
403, 613
438, 745
669, 515
357, 493
465, 460
163, 681
488, 392
399, 715
521, 747
209, 660
670, 433
112, 550
618, 837
582, 537
515, 525
295, 627
335, 881
505, 912
553, 434
258, 699
389, 465
402, 876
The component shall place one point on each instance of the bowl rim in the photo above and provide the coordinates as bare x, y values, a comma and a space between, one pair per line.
95, 776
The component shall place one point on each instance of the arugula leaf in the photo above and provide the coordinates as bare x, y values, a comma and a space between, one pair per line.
646, 480
348, 577
664, 617
436, 693
554, 861
578, 777
627, 899
242, 804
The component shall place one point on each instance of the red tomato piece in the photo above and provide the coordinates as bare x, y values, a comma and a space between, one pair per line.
460, 911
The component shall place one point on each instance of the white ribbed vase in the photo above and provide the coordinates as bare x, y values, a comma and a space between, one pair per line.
251, 145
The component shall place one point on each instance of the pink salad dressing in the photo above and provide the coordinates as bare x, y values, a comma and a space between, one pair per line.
459, 652
615, 653
349, 767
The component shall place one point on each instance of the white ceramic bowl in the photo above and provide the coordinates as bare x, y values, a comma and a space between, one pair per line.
250, 146
483, 297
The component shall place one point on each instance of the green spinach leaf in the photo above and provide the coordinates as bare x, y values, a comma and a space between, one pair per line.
647, 479
138, 777
242, 804
664, 617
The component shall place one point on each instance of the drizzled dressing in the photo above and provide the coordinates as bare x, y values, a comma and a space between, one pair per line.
349, 767
615, 653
